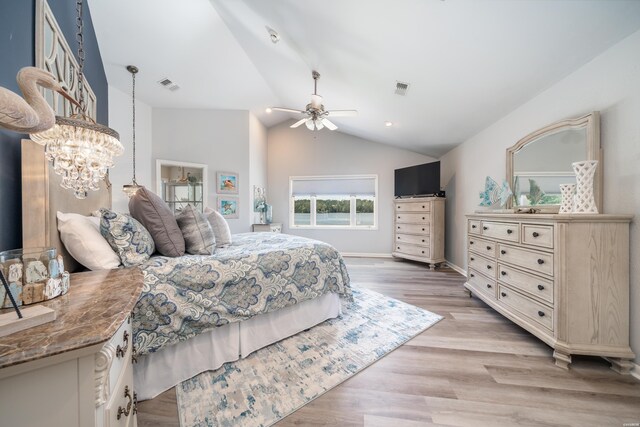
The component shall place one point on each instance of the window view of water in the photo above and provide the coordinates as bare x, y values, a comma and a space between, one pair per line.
333, 219
334, 211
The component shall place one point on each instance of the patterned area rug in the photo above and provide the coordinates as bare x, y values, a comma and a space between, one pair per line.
281, 378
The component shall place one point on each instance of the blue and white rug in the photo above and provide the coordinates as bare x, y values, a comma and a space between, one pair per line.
281, 378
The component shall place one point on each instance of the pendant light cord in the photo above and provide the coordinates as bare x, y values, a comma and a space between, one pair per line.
80, 39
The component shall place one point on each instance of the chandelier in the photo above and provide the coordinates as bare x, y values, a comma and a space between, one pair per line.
131, 189
80, 150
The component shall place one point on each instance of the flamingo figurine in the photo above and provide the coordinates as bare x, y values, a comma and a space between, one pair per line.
31, 114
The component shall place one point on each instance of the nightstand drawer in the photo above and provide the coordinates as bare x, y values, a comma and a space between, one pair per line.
535, 311
413, 239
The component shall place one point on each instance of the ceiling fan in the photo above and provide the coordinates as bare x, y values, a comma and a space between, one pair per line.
316, 115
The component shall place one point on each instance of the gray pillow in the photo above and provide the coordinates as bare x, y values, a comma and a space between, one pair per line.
198, 235
156, 216
220, 227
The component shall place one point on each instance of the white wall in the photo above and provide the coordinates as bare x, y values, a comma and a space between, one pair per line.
257, 158
217, 138
121, 119
610, 84
296, 152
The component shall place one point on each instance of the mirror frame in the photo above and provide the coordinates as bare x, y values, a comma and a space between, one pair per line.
205, 177
591, 122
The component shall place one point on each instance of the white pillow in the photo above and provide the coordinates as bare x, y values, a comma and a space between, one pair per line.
81, 236
220, 227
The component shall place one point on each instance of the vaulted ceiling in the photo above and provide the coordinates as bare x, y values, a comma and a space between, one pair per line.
468, 62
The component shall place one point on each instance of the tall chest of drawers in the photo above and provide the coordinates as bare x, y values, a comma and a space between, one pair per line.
419, 229
564, 278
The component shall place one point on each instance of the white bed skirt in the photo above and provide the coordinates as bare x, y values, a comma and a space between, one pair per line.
157, 372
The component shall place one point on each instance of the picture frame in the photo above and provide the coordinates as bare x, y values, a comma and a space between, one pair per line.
228, 206
227, 183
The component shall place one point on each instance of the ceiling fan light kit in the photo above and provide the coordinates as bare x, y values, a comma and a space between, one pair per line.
316, 116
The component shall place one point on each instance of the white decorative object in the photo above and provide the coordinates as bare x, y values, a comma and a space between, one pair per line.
585, 201
567, 191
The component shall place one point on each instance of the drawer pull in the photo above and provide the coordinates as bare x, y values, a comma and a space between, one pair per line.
422, 217
398, 237
541, 313
535, 234
120, 351
423, 229
503, 252
503, 294
471, 242
540, 261
398, 247
422, 206
422, 251
509, 231
485, 228
125, 411
488, 248
398, 217
472, 275
473, 226
488, 286
422, 240
472, 259
134, 358
488, 267
540, 288
504, 273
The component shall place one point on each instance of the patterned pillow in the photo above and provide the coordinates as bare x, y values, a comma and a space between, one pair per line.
220, 227
128, 238
198, 235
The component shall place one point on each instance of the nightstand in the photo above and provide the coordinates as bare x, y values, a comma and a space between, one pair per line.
274, 227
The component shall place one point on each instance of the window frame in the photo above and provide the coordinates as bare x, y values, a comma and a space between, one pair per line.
352, 206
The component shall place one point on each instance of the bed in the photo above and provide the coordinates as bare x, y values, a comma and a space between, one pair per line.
198, 312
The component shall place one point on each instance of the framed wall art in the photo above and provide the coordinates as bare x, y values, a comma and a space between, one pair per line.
227, 183
228, 206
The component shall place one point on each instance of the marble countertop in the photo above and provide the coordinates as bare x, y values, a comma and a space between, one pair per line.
90, 313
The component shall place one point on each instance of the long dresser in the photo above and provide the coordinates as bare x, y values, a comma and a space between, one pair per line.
564, 278
419, 229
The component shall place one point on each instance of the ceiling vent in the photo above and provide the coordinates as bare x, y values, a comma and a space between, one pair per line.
401, 88
166, 83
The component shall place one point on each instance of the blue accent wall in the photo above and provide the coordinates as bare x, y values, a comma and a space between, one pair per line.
17, 50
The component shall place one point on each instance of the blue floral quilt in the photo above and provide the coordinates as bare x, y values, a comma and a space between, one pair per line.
258, 273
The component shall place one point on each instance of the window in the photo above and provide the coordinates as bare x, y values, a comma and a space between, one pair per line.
346, 201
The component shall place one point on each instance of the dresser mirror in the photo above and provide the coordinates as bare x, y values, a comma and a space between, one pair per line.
541, 161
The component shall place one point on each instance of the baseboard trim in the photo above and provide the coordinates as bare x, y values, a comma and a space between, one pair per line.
365, 255
635, 371
456, 268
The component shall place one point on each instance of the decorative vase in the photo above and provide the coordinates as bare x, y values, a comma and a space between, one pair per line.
567, 191
269, 214
584, 201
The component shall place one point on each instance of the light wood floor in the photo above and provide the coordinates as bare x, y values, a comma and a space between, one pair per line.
474, 368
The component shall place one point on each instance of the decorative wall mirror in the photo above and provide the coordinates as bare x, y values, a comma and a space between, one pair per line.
181, 184
541, 161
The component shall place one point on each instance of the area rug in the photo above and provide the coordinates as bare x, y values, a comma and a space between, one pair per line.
281, 378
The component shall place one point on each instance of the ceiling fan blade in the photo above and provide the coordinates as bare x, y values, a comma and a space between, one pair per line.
342, 113
329, 125
288, 110
298, 123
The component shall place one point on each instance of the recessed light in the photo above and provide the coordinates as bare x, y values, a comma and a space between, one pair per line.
268, 110
388, 124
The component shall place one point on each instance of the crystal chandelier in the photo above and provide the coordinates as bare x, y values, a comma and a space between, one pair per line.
80, 150
131, 189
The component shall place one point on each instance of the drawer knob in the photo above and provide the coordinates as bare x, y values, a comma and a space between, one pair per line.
398, 217
485, 228
504, 273
398, 237
509, 231
540, 261
488, 248
472, 275
473, 226
398, 247
540, 288
541, 313
120, 351
125, 411
503, 252
503, 294
471, 242
472, 259
423, 229
488, 286
422, 251
422, 206
423, 240
488, 267
535, 234
422, 217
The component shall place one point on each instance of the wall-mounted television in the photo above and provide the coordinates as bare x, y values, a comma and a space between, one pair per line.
419, 180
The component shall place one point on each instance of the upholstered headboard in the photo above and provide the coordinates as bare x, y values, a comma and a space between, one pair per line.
42, 198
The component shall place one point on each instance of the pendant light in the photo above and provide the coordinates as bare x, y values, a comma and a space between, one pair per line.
131, 189
80, 150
